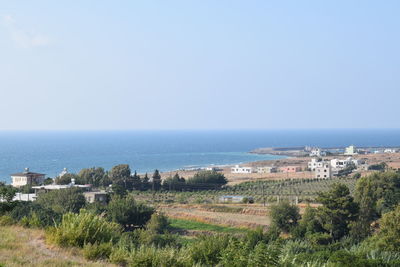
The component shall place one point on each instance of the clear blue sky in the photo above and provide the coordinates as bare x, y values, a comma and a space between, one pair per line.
199, 64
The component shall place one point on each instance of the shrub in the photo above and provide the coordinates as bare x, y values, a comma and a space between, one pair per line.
319, 239
62, 201
80, 229
284, 216
157, 223
34, 215
6, 220
97, 251
128, 213
207, 250
152, 256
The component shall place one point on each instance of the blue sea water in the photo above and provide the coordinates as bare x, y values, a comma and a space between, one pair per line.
49, 152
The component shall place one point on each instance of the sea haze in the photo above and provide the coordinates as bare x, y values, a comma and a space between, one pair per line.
144, 151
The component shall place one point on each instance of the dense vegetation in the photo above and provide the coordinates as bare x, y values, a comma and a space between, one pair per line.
359, 227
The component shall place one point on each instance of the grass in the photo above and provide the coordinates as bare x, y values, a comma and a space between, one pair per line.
181, 224
25, 247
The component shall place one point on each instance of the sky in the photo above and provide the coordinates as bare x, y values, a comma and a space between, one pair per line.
123, 65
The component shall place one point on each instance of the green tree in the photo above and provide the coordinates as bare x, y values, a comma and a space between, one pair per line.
174, 183
207, 180
136, 182
156, 183
7, 192
63, 200
94, 176
388, 237
67, 178
284, 216
145, 184
121, 174
127, 212
338, 210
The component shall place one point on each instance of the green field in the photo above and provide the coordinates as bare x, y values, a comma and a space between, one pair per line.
180, 224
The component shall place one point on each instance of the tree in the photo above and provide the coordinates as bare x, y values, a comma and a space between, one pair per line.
174, 183
67, 178
127, 212
388, 237
145, 185
284, 215
156, 184
136, 182
378, 167
338, 210
94, 176
48, 181
120, 174
63, 200
366, 198
7, 192
207, 180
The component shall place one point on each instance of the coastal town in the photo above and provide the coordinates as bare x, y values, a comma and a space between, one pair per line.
318, 163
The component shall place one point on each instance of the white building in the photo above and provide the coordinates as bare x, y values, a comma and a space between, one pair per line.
267, 169
343, 163
238, 169
26, 177
317, 152
323, 170
350, 150
316, 163
389, 150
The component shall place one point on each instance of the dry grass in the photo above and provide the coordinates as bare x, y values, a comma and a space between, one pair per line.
26, 247
199, 214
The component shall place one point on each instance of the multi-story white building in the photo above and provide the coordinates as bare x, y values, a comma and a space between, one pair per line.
316, 163
324, 170
343, 163
317, 152
238, 169
350, 150
26, 177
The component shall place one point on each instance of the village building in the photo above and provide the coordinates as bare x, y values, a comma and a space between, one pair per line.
343, 163
316, 163
317, 152
323, 170
267, 169
100, 197
26, 177
350, 150
238, 169
289, 169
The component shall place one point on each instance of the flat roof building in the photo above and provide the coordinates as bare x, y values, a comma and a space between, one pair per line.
27, 177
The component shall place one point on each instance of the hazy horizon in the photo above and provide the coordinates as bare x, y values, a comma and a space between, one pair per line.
176, 65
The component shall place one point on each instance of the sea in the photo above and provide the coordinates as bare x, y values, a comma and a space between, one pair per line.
146, 150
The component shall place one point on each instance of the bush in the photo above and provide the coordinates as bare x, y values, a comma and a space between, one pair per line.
33, 214
207, 250
80, 229
128, 213
6, 220
319, 239
97, 251
284, 216
152, 256
158, 223
62, 201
